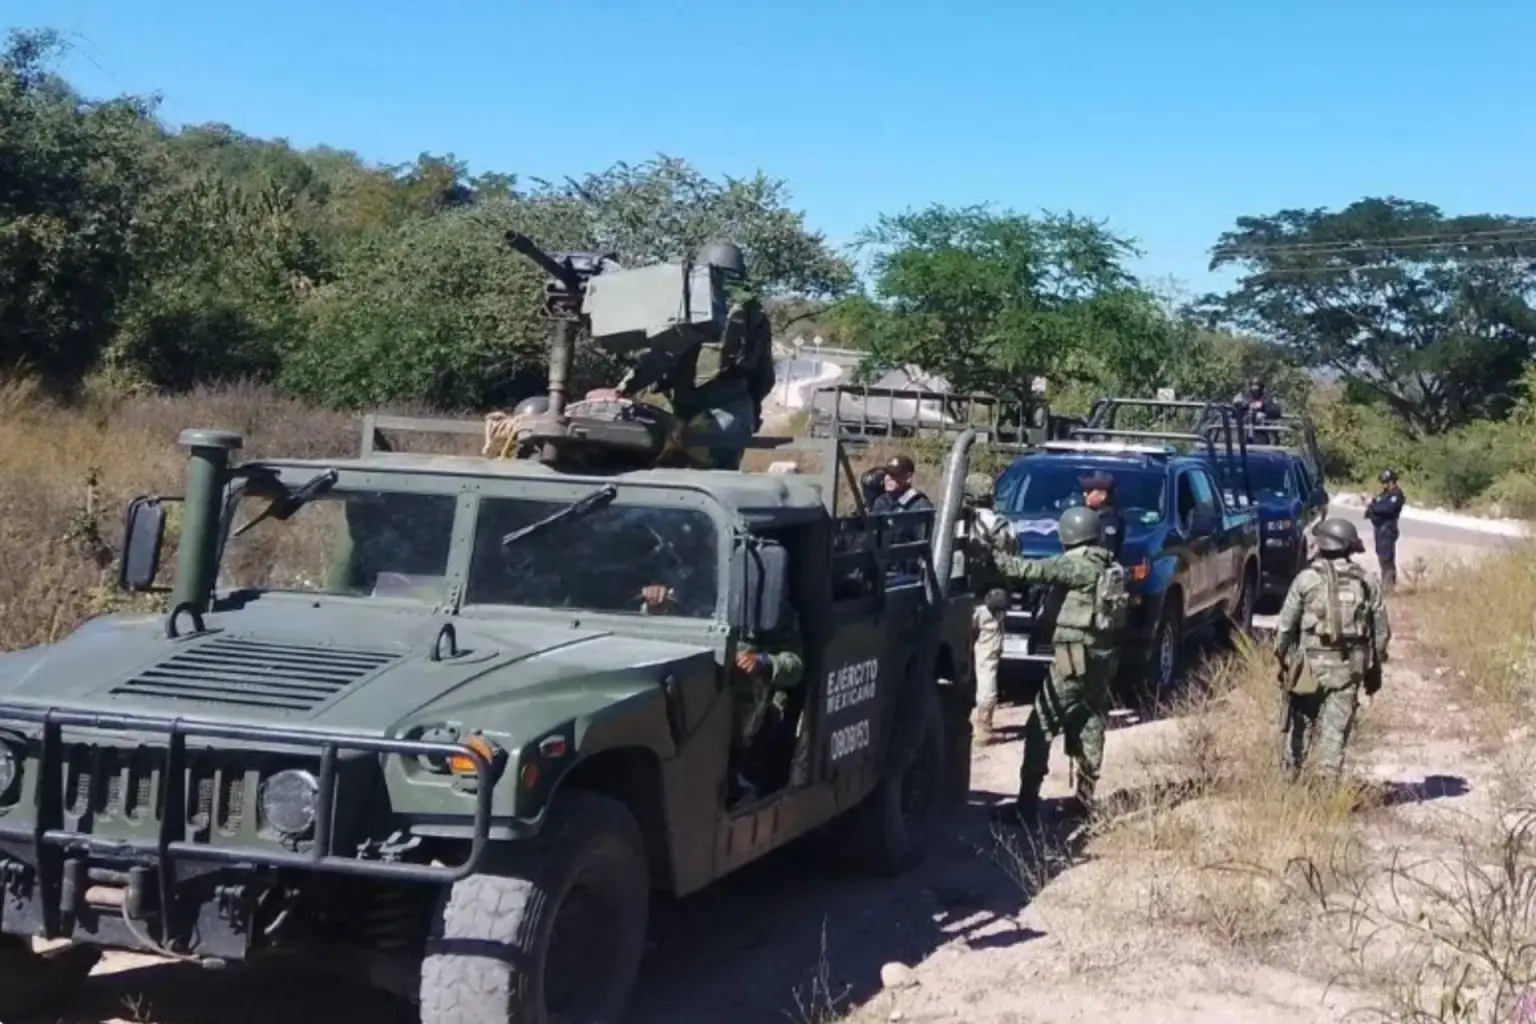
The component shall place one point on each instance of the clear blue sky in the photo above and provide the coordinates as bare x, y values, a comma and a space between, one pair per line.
1166, 119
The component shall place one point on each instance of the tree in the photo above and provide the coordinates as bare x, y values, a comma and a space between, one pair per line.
665, 209
988, 300
72, 177
1430, 315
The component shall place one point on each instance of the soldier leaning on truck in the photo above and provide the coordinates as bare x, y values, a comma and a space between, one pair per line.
718, 388
1335, 619
1074, 699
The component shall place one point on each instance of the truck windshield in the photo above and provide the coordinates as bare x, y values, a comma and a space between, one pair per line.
353, 543
603, 561
1044, 488
1271, 477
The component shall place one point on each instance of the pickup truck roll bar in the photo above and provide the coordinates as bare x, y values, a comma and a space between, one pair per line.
1210, 415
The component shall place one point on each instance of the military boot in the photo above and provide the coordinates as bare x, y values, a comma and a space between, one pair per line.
1023, 812
983, 728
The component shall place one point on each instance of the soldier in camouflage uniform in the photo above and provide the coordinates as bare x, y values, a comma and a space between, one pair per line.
718, 389
1074, 700
766, 666
1334, 615
987, 623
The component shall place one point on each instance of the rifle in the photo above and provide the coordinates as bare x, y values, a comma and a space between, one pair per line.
1287, 674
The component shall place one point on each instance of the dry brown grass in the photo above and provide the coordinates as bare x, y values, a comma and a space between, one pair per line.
1479, 622
1212, 835
66, 474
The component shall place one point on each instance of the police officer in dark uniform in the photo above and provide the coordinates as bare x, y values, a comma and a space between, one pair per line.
1099, 495
1382, 513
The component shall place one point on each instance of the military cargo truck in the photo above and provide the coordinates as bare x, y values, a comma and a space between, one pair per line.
407, 712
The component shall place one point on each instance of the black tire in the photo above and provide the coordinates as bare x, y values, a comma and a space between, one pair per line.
1162, 674
1241, 619
502, 943
888, 832
31, 982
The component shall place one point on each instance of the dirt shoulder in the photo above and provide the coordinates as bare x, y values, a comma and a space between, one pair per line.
1155, 918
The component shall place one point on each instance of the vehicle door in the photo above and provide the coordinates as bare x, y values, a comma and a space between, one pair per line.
1222, 544
1194, 551
860, 664
1314, 498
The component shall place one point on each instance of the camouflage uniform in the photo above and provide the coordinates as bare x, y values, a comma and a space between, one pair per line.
718, 388
1074, 700
1335, 615
723, 383
761, 694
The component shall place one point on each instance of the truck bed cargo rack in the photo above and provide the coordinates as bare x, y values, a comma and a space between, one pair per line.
1208, 418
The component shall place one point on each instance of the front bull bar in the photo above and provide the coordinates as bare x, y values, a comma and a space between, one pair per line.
48, 838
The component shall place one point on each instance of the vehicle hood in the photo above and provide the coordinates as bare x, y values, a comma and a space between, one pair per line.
331, 668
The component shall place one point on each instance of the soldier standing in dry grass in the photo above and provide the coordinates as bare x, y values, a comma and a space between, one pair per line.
1074, 700
1334, 615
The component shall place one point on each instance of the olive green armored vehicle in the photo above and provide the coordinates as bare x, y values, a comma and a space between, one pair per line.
411, 712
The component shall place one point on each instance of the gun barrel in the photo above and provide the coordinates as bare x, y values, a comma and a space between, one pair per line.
521, 243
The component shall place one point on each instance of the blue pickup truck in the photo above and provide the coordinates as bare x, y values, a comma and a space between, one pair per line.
1191, 542
1288, 484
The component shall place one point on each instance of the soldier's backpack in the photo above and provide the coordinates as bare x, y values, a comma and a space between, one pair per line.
1340, 610
1112, 600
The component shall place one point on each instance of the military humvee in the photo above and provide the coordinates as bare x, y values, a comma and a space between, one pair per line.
409, 714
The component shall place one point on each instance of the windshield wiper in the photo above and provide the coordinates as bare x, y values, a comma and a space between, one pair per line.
285, 505
583, 506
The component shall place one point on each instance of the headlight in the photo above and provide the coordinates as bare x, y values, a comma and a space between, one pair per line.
8, 770
289, 801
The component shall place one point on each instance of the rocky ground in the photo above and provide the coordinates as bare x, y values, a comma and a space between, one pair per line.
979, 933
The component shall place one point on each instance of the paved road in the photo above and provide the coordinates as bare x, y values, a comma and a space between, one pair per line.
1431, 533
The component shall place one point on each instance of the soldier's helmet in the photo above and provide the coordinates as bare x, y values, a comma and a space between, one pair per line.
537, 405
978, 487
1078, 525
1388, 476
1337, 537
725, 255
1255, 386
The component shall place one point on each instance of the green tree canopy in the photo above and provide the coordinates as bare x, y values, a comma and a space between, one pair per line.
990, 299
1429, 314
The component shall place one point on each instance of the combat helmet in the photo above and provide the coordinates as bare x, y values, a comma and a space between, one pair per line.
1337, 537
1078, 525
536, 405
725, 255
978, 487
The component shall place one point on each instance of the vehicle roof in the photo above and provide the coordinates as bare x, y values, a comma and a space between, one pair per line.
1110, 461
738, 491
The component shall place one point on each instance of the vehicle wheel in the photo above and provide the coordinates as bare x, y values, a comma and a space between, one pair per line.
556, 935
1241, 620
1167, 654
32, 981
886, 834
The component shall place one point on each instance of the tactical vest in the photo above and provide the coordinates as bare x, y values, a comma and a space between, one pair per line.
1085, 610
1337, 615
737, 349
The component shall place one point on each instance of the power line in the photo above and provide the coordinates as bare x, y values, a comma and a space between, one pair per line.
1513, 261
1502, 236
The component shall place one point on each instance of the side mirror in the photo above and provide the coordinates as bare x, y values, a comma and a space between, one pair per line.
759, 571
143, 537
